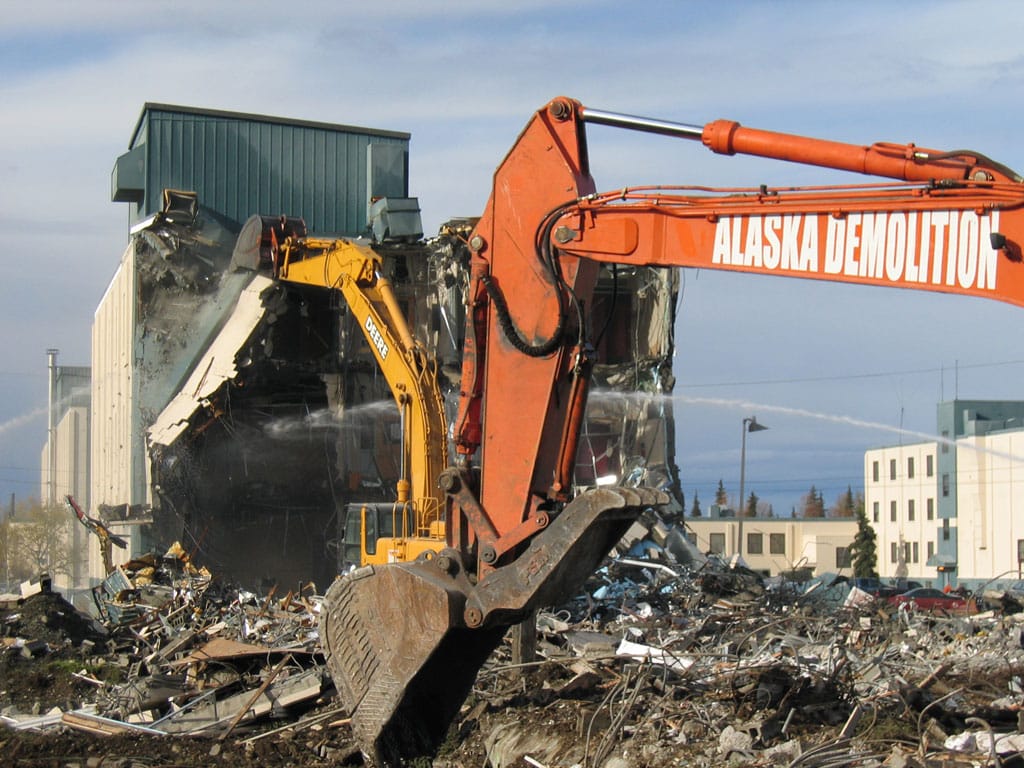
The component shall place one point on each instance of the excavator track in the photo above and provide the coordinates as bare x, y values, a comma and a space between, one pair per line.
398, 646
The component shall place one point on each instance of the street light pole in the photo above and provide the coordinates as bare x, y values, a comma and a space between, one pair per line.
749, 425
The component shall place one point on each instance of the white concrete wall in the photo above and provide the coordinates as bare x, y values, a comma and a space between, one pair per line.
114, 448
807, 542
990, 505
72, 478
910, 495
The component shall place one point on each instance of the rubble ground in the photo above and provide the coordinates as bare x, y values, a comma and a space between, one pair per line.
654, 663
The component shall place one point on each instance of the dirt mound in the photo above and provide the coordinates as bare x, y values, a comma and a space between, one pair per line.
50, 618
34, 749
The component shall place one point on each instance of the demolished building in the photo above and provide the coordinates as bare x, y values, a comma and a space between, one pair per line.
238, 414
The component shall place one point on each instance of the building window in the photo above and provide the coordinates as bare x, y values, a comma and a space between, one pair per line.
916, 552
931, 549
945, 484
906, 551
910, 510
945, 441
929, 465
910, 467
945, 530
874, 511
931, 509
874, 471
892, 469
716, 542
843, 559
691, 536
894, 555
777, 543
892, 511
1020, 551
755, 544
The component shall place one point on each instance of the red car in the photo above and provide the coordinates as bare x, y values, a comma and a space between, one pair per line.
933, 600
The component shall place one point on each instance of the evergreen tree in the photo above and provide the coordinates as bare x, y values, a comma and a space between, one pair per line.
814, 504
721, 497
849, 505
751, 509
845, 506
695, 509
864, 551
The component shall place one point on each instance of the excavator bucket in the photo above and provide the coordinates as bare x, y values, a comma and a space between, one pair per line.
396, 637
400, 660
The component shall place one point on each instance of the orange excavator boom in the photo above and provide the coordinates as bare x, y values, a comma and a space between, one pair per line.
405, 641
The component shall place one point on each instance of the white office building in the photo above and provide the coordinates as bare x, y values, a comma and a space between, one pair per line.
952, 510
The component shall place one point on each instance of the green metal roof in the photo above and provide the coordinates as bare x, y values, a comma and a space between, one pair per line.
240, 164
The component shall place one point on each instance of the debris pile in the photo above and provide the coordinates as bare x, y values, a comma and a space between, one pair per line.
712, 665
666, 657
174, 653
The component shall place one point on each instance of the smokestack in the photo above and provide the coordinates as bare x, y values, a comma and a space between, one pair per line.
51, 434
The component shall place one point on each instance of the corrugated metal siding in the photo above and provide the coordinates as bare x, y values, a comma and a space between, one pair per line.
73, 478
242, 166
112, 439
73, 455
71, 388
118, 467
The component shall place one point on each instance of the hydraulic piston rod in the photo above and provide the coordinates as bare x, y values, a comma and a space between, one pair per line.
896, 161
645, 124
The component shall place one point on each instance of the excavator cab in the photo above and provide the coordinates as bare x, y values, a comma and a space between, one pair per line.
386, 532
363, 525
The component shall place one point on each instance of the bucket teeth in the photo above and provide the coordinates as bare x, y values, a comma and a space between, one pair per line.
385, 631
396, 640
630, 496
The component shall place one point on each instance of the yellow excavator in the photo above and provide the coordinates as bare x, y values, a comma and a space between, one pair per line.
377, 533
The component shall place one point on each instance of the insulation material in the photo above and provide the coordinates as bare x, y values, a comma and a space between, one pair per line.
215, 367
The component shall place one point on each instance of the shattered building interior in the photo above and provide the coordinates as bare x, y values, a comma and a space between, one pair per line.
259, 411
307, 423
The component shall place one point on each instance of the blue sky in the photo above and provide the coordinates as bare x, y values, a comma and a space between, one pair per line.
463, 78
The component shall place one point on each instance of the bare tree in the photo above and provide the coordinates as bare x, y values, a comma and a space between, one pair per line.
38, 540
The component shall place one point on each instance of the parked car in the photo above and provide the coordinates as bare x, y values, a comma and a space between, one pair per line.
869, 584
898, 587
933, 600
878, 588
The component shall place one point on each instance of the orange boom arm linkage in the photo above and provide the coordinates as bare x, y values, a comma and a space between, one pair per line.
952, 223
